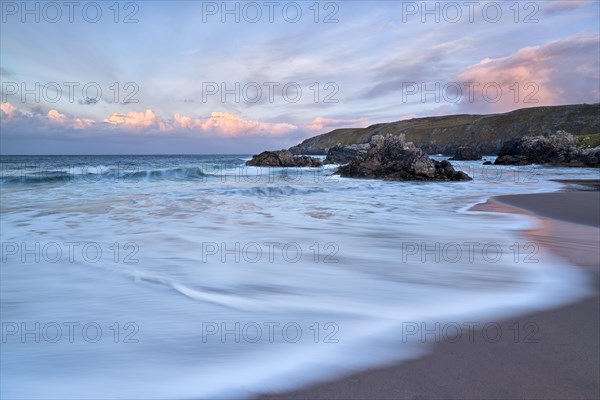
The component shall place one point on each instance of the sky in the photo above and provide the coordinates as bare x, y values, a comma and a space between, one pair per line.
203, 77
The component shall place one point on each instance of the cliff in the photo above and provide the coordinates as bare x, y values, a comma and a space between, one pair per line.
485, 133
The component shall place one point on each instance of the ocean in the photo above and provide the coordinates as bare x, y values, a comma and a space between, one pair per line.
197, 277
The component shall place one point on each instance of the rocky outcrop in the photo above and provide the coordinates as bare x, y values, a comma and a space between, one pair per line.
392, 158
343, 154
590, 157
559, 149
484, 133
466, 153
283, 158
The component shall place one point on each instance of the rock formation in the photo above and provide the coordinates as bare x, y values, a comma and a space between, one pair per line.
393, 158
466, 153
283, 158
343, 154
559, 149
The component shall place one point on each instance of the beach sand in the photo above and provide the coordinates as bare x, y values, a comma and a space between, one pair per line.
559, 361
576, 207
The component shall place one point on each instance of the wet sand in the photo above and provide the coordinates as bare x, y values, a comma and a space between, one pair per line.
556, 355
577, 207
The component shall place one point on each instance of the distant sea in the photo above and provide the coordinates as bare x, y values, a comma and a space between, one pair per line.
197, 277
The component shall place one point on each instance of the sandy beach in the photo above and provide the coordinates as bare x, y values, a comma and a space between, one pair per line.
557, 355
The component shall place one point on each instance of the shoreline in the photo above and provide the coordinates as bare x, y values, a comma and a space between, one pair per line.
561, 361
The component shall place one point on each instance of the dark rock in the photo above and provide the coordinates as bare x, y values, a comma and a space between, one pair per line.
393, 158
466, 153
559, 149
283, 158
305, 161
343, 154
590, 157
488, 163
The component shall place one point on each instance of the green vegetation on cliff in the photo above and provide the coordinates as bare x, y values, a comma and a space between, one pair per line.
588, 141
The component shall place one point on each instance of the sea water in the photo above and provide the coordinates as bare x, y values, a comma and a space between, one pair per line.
198, 277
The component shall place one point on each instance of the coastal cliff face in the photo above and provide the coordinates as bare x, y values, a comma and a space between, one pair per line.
486, 134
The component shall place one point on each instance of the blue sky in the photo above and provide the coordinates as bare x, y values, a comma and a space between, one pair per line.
359, 63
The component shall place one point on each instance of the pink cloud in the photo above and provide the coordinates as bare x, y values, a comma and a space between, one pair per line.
185, 122
559, 72
407, 117
76, 123
7, 110
233, 125
220, 123
83, 123
11, 113
226, 124
320, 123
56, 117
135, 119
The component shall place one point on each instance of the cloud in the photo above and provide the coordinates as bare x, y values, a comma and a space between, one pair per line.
185, 122
135, 119
560, 72
56, 117
407, 117
426, 59
82, 123
45, 132
233, 125
319, 124
88, 102
76, 123
221, 123
40, 119
7, 111
558, 6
